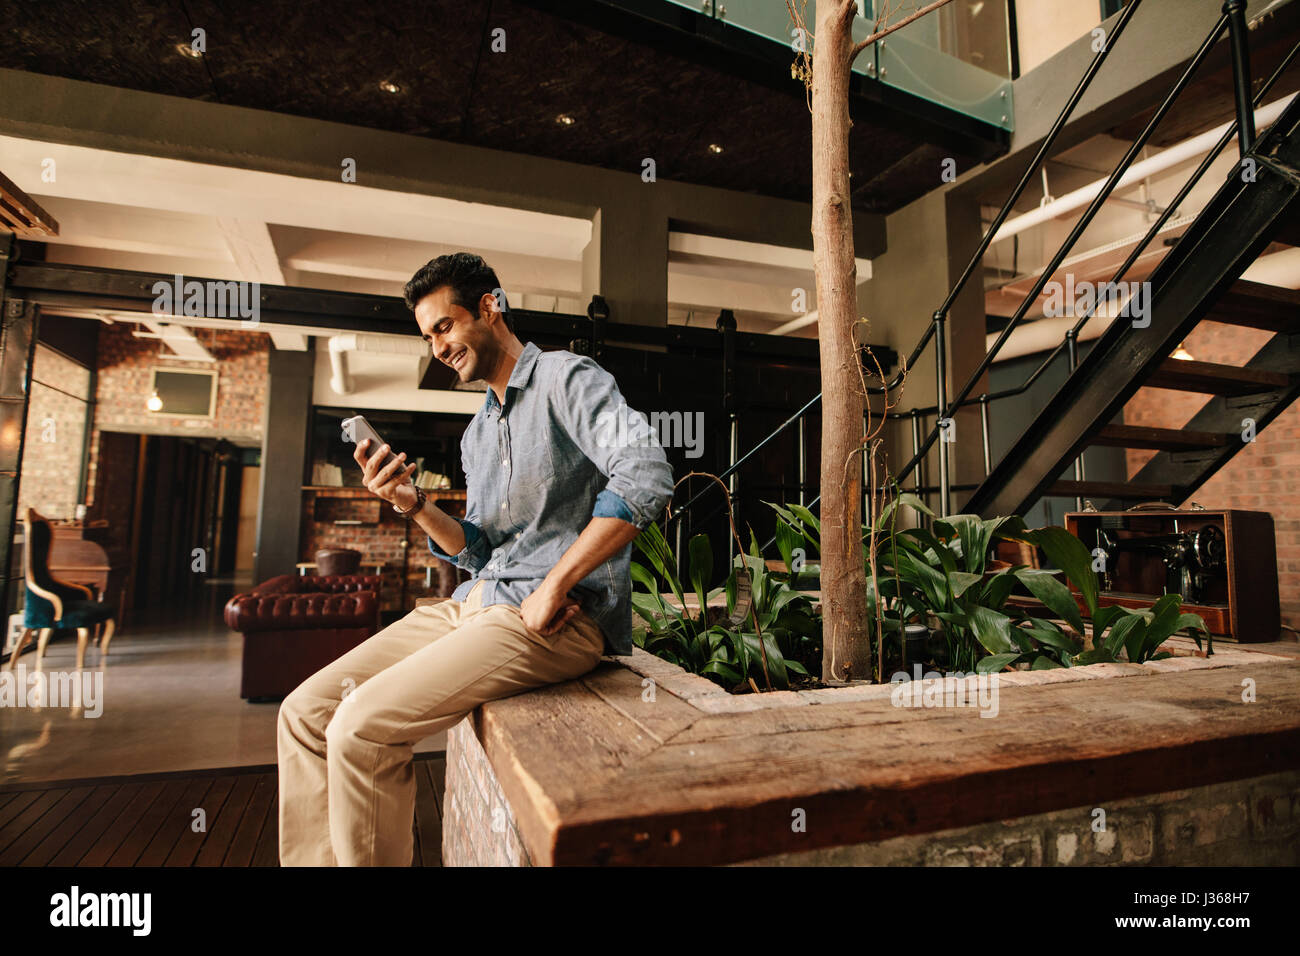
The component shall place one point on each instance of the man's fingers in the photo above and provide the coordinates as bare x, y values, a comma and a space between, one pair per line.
391, 486
386, 473
565, 615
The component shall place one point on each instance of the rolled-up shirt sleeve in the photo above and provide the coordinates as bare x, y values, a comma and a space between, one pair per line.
618, 440
477, 548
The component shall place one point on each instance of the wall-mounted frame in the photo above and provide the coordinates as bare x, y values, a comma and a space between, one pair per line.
185, 392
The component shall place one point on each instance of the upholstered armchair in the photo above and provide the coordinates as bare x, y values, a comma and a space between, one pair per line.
52, 603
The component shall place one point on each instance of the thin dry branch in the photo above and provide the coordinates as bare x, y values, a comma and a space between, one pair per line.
883, 31
731, 519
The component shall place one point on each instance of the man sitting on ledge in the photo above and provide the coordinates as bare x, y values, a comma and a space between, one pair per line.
551, 511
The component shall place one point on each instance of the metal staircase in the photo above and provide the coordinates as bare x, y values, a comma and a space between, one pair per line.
1199, 279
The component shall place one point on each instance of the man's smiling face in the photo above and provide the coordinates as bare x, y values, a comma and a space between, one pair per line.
456, 337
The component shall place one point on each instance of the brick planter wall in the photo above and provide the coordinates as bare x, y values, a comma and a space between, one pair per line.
1252, 822
478, 826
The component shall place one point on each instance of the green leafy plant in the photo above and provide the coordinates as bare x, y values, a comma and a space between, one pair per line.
731, 646
939, 576
1137, 632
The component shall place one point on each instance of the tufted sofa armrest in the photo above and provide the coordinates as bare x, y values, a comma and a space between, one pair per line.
280, 612
342, 583
280, 584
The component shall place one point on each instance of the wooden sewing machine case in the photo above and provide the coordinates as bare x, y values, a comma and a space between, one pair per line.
1237, 597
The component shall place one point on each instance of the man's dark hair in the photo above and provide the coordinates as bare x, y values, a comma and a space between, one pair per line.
470, 279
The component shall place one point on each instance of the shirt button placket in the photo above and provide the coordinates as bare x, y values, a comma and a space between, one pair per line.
503, 448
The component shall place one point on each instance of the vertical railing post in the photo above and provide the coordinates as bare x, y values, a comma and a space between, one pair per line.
943, 424
803, 459
726, 324
984, 429
1072, 352
598, 313
1236, 12
677, 542
918, 473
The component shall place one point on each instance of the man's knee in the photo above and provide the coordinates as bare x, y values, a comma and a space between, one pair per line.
302, 710
347, 726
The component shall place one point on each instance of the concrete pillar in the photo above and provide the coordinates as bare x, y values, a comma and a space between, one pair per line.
286, 424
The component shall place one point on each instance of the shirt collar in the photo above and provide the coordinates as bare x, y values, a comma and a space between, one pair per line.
519, 376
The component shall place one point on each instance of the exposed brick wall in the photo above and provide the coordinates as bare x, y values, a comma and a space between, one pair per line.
376, 542
478, 824
56, 424
1253, 822
125, 363
1262, 476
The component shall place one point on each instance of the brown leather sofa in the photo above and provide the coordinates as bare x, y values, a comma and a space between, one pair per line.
293, 626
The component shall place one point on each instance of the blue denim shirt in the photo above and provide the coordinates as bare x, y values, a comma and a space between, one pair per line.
538, 468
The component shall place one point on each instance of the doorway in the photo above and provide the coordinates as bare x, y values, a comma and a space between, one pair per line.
177, 508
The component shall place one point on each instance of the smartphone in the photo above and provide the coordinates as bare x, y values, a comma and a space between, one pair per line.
357, 429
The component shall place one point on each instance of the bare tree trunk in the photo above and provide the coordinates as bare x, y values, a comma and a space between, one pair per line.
846, 649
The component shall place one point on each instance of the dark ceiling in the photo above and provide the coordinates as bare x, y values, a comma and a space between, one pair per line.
636, 85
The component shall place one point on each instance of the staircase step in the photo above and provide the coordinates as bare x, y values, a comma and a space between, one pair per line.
1258, 306
1160, 439
1126, 490
1214, 379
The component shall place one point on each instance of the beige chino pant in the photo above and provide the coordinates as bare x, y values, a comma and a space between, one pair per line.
346, 734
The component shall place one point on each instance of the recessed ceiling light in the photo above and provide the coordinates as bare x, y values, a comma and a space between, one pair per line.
564, 119
714, 148
388, 86
185, 49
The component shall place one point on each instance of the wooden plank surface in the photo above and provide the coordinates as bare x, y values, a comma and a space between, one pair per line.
254, 820
874, 771
623, 690
147, 820
585, 742
428, 819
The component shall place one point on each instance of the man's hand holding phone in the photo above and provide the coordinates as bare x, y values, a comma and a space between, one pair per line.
391, 482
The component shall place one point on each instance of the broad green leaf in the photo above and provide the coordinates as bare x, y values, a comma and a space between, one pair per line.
787, 539
1055, 596
998, 589
808, 518
1131, 626
1047, 633
961, 581
1070, 555
723, 670
995, 662
701, 556
992, 629
1163, 623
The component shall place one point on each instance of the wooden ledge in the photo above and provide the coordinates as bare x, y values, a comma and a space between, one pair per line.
640, 763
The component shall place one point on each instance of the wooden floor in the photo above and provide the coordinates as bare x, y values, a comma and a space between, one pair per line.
147, 820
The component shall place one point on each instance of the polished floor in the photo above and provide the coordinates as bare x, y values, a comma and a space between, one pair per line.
150, 820
165, 699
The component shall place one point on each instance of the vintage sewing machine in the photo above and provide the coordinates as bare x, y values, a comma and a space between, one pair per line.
1223, 564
